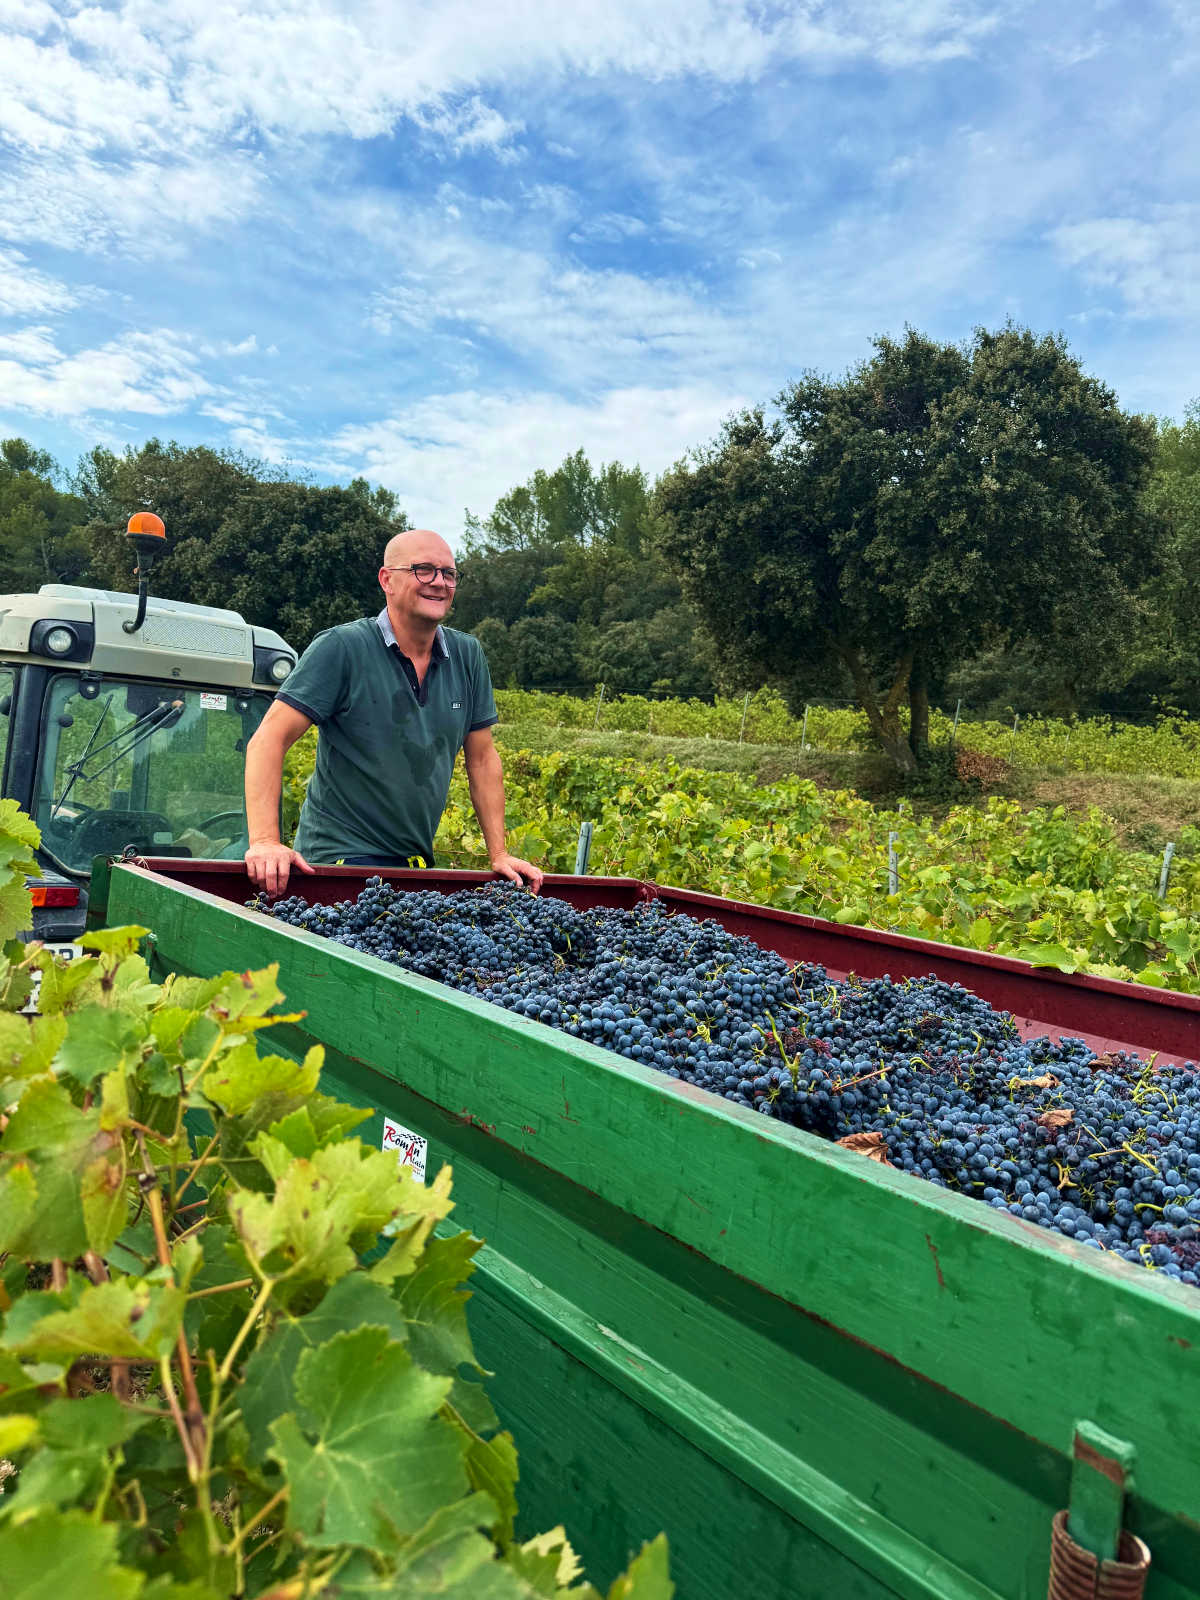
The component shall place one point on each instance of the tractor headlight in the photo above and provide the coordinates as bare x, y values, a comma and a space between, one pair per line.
272, 665
59, 641
66, 641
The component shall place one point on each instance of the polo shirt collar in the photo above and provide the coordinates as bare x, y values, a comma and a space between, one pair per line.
384, 623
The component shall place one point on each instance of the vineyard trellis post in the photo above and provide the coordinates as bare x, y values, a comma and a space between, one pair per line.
893, 865
1012, 749
583, 850
1165, 874
954, 729
804, 731
745, 710
599, 703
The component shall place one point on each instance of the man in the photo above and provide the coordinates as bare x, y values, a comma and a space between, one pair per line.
395, 697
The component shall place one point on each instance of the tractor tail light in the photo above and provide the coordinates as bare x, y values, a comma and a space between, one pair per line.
55, 894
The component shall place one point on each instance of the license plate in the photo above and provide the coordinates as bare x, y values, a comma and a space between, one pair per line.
61, 952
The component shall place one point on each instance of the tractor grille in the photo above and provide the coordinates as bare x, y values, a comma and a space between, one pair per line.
188, 636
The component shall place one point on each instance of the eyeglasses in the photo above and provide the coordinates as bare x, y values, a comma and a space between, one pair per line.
426, 572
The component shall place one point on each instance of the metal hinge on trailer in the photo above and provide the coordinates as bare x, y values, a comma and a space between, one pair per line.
1092, 1556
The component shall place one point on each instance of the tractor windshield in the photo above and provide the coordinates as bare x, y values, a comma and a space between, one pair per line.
148, 765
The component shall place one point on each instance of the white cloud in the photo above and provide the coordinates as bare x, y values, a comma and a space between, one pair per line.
1153, 261
144, 207
467, 449
148, 374
174, 89
610, 227
575, 324
26, 292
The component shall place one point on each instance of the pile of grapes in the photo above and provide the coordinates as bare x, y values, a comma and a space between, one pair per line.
922, 1074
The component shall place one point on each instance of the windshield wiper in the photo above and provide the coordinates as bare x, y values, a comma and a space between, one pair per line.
78, 766
163, 715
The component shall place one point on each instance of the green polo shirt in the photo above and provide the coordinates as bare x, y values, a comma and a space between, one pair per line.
385, 747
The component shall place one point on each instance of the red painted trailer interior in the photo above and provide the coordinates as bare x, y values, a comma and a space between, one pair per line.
1108, 1015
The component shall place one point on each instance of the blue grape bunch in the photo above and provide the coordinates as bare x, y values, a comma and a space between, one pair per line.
1103, 1150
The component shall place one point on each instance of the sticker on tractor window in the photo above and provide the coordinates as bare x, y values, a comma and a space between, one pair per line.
213, 702
410, 1148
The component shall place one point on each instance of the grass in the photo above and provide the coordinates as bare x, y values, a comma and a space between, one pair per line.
1146, 811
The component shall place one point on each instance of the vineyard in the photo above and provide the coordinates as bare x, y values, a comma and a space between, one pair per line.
1170, 748
1046, 885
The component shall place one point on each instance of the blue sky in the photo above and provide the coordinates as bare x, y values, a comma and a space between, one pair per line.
443, 245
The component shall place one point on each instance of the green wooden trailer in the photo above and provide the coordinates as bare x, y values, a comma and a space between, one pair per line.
821, 1377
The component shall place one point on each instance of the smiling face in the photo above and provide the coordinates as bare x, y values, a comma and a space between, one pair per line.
408, 599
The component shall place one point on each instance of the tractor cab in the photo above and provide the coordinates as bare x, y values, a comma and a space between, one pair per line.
123, 727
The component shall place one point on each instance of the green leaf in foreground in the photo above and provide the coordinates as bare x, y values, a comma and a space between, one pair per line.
64, 1556
648, 1577
269, 1390
366, 1449
128, 1318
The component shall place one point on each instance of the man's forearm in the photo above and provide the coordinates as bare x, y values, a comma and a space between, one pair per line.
264, 785
485, 780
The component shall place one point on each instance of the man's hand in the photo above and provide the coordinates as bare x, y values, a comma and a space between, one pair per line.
270, 864
517, 871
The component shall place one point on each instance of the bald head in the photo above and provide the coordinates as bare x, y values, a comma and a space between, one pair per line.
417, 544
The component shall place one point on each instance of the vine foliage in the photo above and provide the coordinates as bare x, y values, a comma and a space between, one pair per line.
234, 1355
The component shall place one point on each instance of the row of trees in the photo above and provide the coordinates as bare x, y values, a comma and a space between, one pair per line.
289, 555
978, 519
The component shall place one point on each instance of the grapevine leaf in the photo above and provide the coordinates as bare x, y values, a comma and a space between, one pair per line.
243, 1076
1049, 955
45, 1117
333, 1119
62, 1142
98, 1040
63, 980
16, 1431
19, 834
78, 1435
873, 1145
169, 1024
366, 1447
319, 1121
128, 1318
435, 1305
268, 1391
319, 1211
492, 1468
546, 1562
18, 1201
428, 1204
16, 907
105, 1201
648, 1575
16, 981
95, 1420
120, 942
132, 987
471, 1402
65, 1556
29, 1044
20, 1384
244, 997
450, 1557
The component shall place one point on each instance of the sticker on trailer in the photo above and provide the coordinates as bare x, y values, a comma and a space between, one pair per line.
411, 1150
213, 702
